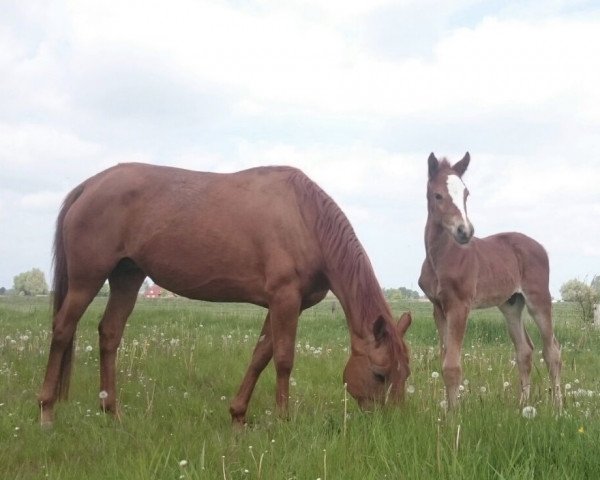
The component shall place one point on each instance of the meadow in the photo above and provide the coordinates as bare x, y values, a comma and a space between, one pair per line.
181, 362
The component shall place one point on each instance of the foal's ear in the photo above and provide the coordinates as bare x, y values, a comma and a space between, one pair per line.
379, 330
403, 323
460, 167
433, 165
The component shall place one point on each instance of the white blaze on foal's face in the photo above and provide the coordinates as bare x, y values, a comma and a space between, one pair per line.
456, 190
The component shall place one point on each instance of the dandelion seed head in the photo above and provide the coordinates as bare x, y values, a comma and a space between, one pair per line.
410, 389
88, 348
529, 412
103, 394
435, 375
183, 463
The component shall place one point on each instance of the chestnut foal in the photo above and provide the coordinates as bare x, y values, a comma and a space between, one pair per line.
462, 272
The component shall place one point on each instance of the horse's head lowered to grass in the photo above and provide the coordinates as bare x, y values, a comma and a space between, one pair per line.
377, 369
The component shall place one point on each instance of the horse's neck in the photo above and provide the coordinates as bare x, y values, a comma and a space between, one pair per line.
361, 299
438, 243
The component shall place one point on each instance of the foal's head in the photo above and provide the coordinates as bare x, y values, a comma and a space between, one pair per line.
378, 365
447, 197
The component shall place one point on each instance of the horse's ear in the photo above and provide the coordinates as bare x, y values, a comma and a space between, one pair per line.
403, 323
379, 330
433, 165
460, 167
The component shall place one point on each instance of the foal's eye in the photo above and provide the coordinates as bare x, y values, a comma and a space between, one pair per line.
379, 377
438, 196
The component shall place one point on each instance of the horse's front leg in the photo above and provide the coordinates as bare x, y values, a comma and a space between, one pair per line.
456, 322
263, 352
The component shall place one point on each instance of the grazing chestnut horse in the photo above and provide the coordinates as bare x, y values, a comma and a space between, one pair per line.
461, 272
268, 236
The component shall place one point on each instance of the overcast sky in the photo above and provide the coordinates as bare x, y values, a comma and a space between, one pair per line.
355, 93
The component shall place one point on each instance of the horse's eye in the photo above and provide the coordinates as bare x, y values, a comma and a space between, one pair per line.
379, 377
438, 196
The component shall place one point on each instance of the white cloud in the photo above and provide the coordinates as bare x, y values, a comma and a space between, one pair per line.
43, 200
278, 57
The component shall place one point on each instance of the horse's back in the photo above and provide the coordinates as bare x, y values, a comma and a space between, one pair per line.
504, 245
508, 263
223, 234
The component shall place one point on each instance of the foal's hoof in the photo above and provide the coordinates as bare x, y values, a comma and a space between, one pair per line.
46, 419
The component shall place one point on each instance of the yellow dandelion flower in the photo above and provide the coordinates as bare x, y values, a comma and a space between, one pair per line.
581, 429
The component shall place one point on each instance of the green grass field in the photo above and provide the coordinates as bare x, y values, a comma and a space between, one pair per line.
181, 361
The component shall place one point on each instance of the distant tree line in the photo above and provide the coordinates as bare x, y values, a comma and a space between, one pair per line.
33, 282
401, 293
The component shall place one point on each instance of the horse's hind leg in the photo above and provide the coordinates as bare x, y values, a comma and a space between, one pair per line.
263, 352
512, 311
539, 305
56, 380
125, 282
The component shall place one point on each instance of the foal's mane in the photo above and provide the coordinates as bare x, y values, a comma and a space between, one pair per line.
342, 251
444, 166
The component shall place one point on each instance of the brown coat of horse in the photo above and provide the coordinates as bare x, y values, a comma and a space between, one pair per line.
268, 236
461, 272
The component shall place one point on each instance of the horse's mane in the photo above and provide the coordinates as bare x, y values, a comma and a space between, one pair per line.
342, 251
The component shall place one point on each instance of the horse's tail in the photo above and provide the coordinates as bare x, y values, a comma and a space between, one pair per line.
60, 286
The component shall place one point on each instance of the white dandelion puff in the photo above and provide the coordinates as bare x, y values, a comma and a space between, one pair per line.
529, 412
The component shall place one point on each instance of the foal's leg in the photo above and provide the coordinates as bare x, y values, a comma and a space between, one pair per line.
456, 323
440, 323
539, 305
263, 352
59, 360
125, 282
522, 342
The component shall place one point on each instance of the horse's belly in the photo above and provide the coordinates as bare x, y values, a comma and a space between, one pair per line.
246, 289
492, 298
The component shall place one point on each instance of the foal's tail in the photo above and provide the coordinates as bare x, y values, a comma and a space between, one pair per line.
60, 286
